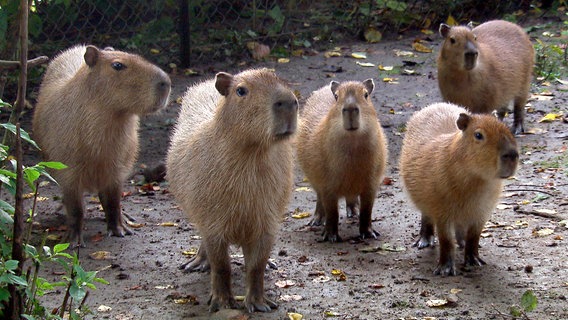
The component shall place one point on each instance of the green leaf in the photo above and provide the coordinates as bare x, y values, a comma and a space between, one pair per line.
60, 247
76, 292
101, 280
12, 128
528, 301
52, 165
13, 279
11, 264
4, 294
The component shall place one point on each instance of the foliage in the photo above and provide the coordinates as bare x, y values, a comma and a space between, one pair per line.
550, 60
75, 279
528, 303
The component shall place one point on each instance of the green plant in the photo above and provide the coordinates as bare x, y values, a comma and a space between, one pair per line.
528, 304
550, 61
32, 287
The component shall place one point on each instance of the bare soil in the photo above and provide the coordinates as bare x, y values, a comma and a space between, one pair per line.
385, 278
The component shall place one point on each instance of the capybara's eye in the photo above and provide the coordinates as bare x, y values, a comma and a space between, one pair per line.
366, 95
241, 91
335, 96
452, 40
478, 135
118, 66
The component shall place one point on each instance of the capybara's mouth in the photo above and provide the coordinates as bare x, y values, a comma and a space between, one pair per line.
470, 61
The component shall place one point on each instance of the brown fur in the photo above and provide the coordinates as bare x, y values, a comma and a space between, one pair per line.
342, 150
452, 165
230, 167
87, 117
484, 68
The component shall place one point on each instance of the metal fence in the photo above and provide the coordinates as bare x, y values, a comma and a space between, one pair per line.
192, 32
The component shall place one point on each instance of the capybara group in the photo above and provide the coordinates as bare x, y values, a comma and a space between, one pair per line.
343, 152
230, 168
87, 117
452, 165
485, 68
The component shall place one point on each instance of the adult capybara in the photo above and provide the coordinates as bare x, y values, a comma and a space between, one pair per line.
452, 165
230, 167
343, 152
87, 117
486, 67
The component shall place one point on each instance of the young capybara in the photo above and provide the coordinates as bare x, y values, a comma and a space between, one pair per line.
452, 164
343, 152
486, 67
87, 117
230, 167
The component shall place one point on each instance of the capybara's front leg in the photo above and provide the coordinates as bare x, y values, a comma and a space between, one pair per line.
331, 219
73, 202
518, 115
198, 262
471, 257
110, 200
426, 233
446, 263
365, 219
221, 292
256, 257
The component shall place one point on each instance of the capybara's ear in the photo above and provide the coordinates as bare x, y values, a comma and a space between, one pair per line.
91, 55
463, 121
444, 30
370, 85
334, 85
223, 82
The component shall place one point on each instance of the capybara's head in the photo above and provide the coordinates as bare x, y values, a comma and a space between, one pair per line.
459, 47
490, 147
258, 105
126, 81
352, 99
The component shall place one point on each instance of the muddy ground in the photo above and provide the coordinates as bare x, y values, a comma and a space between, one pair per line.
383, 279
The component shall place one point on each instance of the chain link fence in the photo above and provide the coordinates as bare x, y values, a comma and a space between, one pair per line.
191, 33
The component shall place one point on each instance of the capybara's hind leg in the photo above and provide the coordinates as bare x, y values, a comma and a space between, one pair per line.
256, 257
426, 233
110, 200
221, 292
352, 207
319, 213
74, 209
198, 262
365, 220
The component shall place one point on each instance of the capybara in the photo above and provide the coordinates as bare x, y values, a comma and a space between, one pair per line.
230, 168
452, 165
486, 67
87, 117
343, 152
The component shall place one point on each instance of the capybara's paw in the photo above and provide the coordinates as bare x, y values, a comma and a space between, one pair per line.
119, 231
473, 260
75, 239
517, 129
369, 234
222, 302
352, 211
196, 264
446, 269
331, 237
262, 304
316, 221
424, 242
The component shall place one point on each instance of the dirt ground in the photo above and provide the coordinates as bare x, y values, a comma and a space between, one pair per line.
385, 278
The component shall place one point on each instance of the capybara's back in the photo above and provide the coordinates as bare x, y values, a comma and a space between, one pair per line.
487, 67
87, 117
342, 150
452, 164
231, 172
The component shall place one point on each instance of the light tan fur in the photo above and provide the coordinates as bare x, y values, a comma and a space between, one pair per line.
343, 151
230, 167
452, 164
486, 67
87, 117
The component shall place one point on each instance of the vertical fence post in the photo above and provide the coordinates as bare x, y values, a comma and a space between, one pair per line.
184, 34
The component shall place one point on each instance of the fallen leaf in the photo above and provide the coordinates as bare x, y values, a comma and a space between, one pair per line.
321, 279
167, 224
329, 54
285, 283
134, 224
401, 53
283, 60
455, 291
434, 303
543, 232
387, 181
546, 211
359, 55
154, 51
504, 206
376, 286
294, 316
53, 237
417, 46
390, 80
303, 189
103, 308
550, 117
391, 248
101, 255
365, 64
169, 286
97, 237
301, 215
451, 21
329, 313
291, 297
190, 252
385, 68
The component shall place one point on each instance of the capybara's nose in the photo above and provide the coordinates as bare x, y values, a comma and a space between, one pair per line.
511, 155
